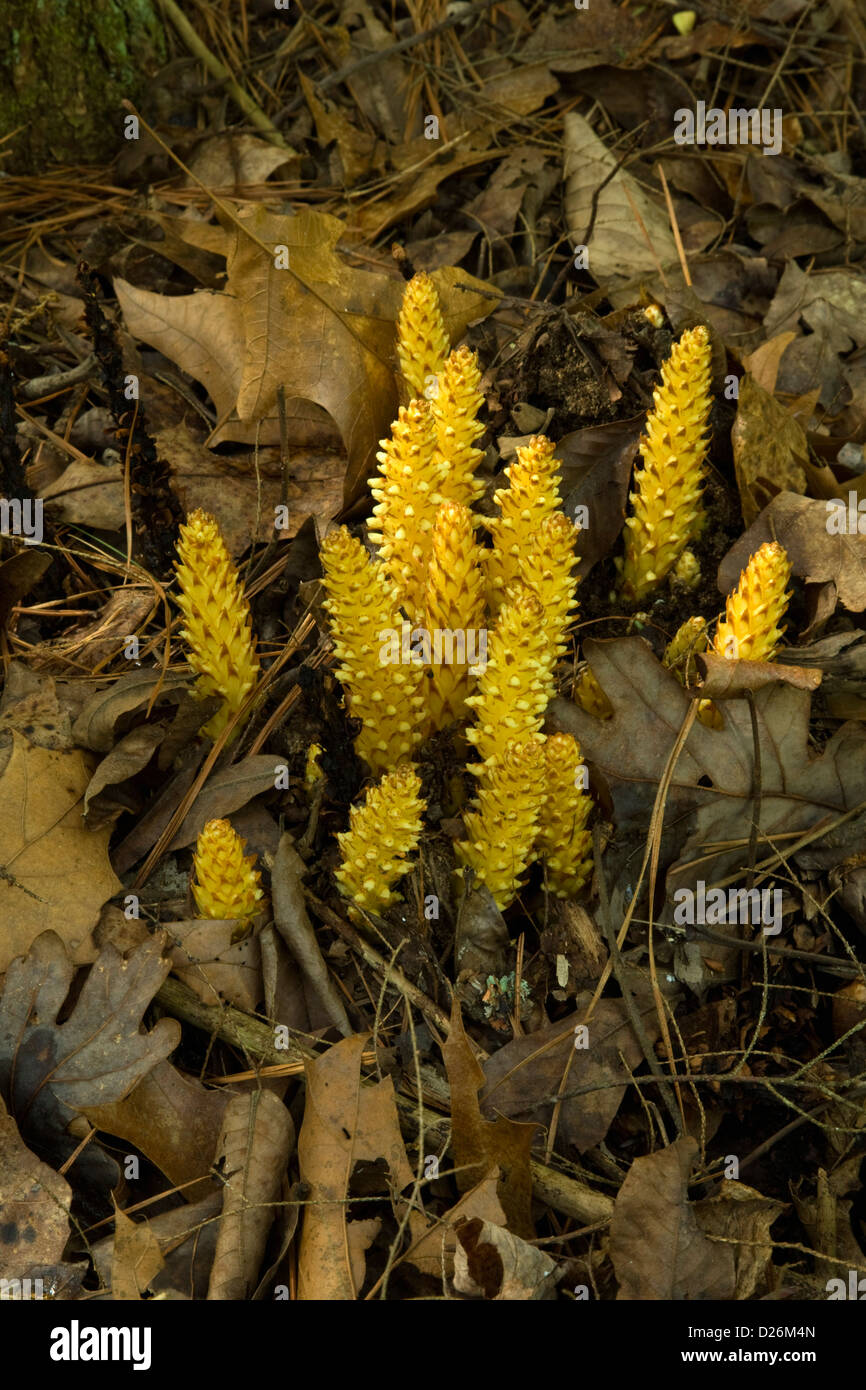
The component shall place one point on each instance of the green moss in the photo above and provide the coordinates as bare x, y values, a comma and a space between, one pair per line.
65, 67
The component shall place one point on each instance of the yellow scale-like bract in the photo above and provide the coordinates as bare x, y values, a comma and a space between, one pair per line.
563, 839
516, 684
503, 827
217, 621
422, 342
455, 407
546, 568
455, 611
225, 884
532, 495
408, 494
753, 612
690, 638
363, 607
590, 696
666, 501
383, 830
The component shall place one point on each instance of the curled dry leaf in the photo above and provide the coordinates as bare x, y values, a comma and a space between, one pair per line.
596, 472
657, 1248
49, 1070
345, 1124
129, 755
800, 525
296, 929
729, 680
493, 1264
137, 1257
742, 1216
55, 873
479, 1144
255, 1146
96, 725
228, 790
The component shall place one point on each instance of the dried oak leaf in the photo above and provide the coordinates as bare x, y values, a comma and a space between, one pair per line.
710, 798
800, 525
50, 1070
523, 1078
54, 873
34, 1206
657, 1248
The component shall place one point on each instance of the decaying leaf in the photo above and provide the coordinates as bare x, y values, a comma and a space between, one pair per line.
656, 1245
49, 1070
491, 1263
34, 1206
257, 1140
55, 873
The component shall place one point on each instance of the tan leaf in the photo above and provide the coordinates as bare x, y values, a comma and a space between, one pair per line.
56, 873
770, 449
255, 1146
657, 1248
34, 1205
137, 1257
742, 1216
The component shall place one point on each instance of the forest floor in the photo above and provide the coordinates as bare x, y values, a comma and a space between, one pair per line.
579, 1097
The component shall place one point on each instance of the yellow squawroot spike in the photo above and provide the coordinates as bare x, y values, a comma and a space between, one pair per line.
383, 830
407, 489
217, 621
516, 685
455, 407
225, 885
422, 343
502, 829
754, 610
546, 568
666, 500
382, 690
690, 638
532, 495
455, 619
563, 839
590, 696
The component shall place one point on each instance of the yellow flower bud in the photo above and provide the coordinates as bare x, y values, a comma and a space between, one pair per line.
502, 829
408, 493
422, 343
532, 495
225, 885
454, 612
516, 685
754, 610
217, 621
383, 830
563, 840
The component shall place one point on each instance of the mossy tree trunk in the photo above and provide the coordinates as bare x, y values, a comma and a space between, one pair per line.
65, 67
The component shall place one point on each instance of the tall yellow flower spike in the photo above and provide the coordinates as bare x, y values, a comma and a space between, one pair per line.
407, 490
454, 611
218, 625
455, 407
422, 343
225, 885
532, 495
546, 568
382, 691
754, 610
502, 829
516, 684
563, 839
383, 830
666, 499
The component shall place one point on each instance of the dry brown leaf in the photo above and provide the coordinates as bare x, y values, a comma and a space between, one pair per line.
48, 1069
657, 1248
34, 1206
128, 756
800, 525
479, 1144
137, 1257
96, 725
174, 1120
187, 1239
31, 706
742, 1216
345, 1124
617, 246
523, 1078
711, 792
491, 1263
255, 1146
296, 929
596, 472
728, 680
217, 970
770, 449
434, 1252
226, 791
56, 873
